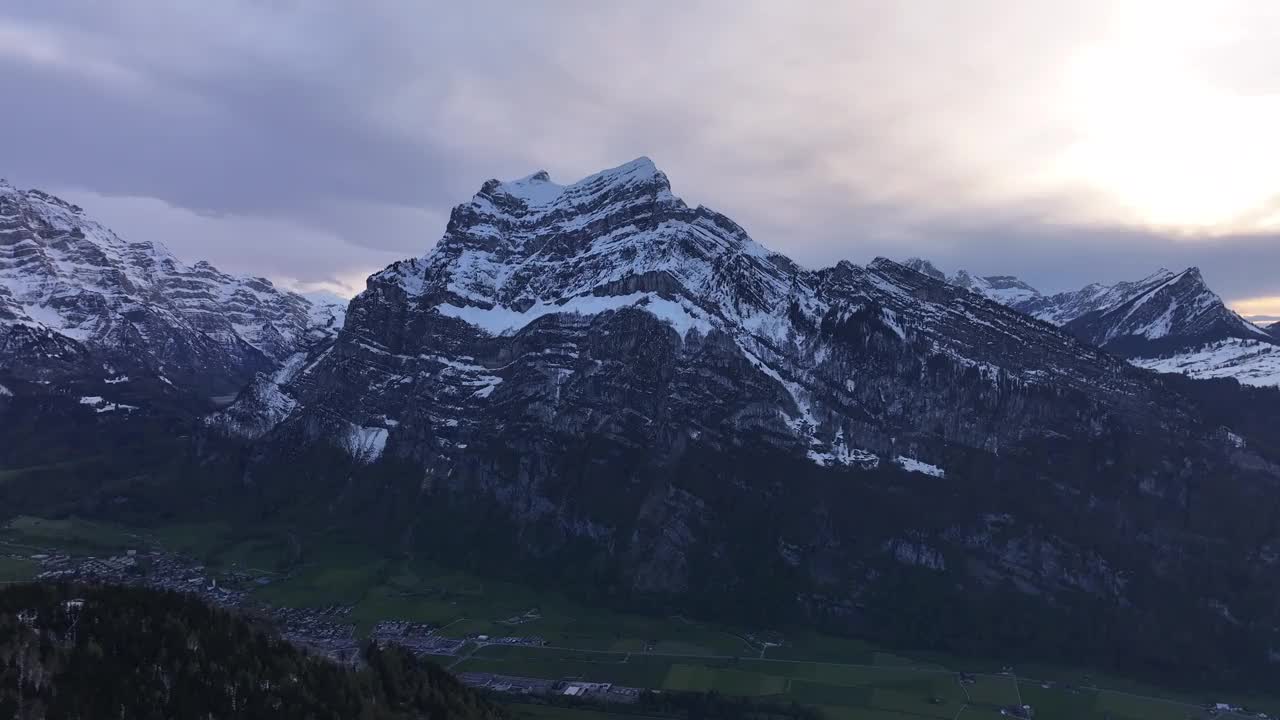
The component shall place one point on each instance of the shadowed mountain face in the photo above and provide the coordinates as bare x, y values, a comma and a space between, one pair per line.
600, 384
81, 307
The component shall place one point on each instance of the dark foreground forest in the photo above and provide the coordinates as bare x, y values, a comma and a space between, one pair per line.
69, 651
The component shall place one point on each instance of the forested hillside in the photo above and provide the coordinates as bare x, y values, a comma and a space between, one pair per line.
70, 651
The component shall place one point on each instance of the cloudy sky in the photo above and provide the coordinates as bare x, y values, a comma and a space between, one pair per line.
314, 142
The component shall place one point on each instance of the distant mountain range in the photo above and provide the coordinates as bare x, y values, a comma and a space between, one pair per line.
600, 386
1169, 322
81, 306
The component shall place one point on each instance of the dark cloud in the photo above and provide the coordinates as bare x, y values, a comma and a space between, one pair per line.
346, 132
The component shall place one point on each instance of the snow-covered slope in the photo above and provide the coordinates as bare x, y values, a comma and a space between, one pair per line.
328, 311
1252, 362
73, 289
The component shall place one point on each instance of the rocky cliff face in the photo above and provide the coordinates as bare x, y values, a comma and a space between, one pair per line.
613, 377
78, 304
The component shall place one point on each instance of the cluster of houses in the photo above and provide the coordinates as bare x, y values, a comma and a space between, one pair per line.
54, 566
604, 692
531, 641
418, 638
156, 569
1229, 709
326, 631
321, 631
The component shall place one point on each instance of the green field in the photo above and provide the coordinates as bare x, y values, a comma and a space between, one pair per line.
69, 534
340, 574
522, 711
845, 678
16, 569
33, 471
996, 690
633, 671
725, 680
900, 691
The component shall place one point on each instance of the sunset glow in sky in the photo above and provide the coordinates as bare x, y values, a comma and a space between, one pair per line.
1065, 143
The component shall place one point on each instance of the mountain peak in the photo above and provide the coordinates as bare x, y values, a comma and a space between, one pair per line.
639, 172
1164, 314
537, 192
1192, 281
921, 265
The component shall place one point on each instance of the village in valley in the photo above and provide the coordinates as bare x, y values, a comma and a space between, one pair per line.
325, 631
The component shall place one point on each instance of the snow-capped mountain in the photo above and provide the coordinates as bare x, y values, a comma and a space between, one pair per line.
600, 366
1168, 322
1163, 314
77, 302
510, 315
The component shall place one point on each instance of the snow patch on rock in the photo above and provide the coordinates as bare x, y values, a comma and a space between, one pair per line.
101, 405
366, 443
503, 321
918, 466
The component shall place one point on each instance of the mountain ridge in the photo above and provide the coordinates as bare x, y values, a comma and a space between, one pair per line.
118, 312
